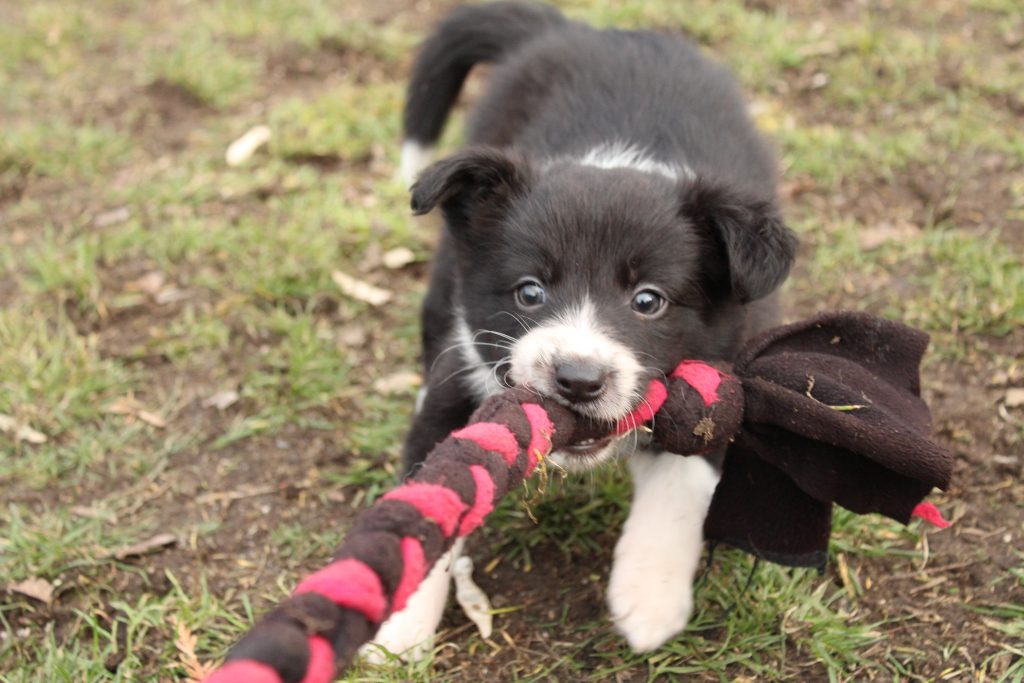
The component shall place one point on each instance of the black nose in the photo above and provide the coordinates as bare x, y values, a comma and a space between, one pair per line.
580, 381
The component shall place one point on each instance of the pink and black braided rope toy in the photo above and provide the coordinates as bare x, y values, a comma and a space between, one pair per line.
820, 412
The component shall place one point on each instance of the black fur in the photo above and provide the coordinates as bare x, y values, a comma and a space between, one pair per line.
517, 203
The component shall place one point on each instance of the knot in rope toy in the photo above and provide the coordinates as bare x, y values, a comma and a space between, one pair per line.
819, 412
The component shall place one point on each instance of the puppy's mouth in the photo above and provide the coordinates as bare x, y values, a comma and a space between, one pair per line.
588, 446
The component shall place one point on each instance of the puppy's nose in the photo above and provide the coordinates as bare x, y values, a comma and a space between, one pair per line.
580, 381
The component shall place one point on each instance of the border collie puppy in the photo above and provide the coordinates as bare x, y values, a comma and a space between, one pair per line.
613, 213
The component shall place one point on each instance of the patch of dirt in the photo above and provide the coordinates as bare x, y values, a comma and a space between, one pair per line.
170, 115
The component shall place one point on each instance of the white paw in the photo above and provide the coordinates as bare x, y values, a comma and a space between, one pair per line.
409, 634
649, 601
650, 592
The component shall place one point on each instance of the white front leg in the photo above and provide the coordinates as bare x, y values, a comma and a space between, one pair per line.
410, 633
650, 593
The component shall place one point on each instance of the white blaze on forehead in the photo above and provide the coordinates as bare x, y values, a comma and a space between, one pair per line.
625, 155
576, 335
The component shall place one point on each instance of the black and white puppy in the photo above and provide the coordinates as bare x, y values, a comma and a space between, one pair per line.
613, 213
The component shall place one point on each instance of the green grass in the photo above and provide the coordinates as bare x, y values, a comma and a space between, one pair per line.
202, 66
56, 149
346, 122
251, 251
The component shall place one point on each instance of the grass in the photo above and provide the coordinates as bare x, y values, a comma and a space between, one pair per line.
224, 79
259, 491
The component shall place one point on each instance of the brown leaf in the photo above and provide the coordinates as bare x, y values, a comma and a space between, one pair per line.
1014, 398
112, 217
150, 283
35, 588
396, 258
398, 382
360, 290
151, 545
152, 419
94, 513
185, 642
171, 295
352, 336
128, 405
21, 432
875, 236
222, 400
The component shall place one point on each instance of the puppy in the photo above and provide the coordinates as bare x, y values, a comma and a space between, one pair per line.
613, 213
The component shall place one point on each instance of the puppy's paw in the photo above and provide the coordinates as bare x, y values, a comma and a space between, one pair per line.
397, 637
650, 602
409, 634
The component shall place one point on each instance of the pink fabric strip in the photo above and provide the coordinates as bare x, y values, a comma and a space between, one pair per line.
413, 570
493, 437
321, 661
437, 503
930, 513
349, 583
541, 430
702, 377
244, 671
653, 400
484, 502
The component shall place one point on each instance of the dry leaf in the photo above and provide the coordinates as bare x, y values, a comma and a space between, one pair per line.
35, 588
397, 382
128, 405
158, 542
94, 513
399, 257
172, 295
152, 419
112, 217
22, 432
185, 641
352, 336
242, 149
222, 400
875, 236
360, 290
1014, 398
150, 283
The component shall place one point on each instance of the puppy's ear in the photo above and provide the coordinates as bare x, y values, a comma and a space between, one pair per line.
754, 247
474, 182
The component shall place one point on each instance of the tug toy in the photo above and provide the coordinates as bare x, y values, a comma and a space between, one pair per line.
819, 412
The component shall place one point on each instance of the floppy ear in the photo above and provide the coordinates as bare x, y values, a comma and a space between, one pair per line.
474, 182
753, 244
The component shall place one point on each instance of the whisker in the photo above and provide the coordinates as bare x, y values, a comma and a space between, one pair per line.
468, 368
500, 335
463, 344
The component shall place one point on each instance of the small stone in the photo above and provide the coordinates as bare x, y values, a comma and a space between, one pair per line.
242, 149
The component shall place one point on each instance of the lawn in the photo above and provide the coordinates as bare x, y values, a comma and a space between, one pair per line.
192, 411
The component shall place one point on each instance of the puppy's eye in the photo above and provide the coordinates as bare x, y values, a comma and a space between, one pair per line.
530, 294
648, 303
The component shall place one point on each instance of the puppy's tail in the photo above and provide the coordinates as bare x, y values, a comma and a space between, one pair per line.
470, 35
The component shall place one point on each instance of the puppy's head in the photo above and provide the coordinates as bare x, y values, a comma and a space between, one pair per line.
584, 283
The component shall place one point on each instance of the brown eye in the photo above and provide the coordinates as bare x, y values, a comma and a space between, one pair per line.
530, 294
648, 302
